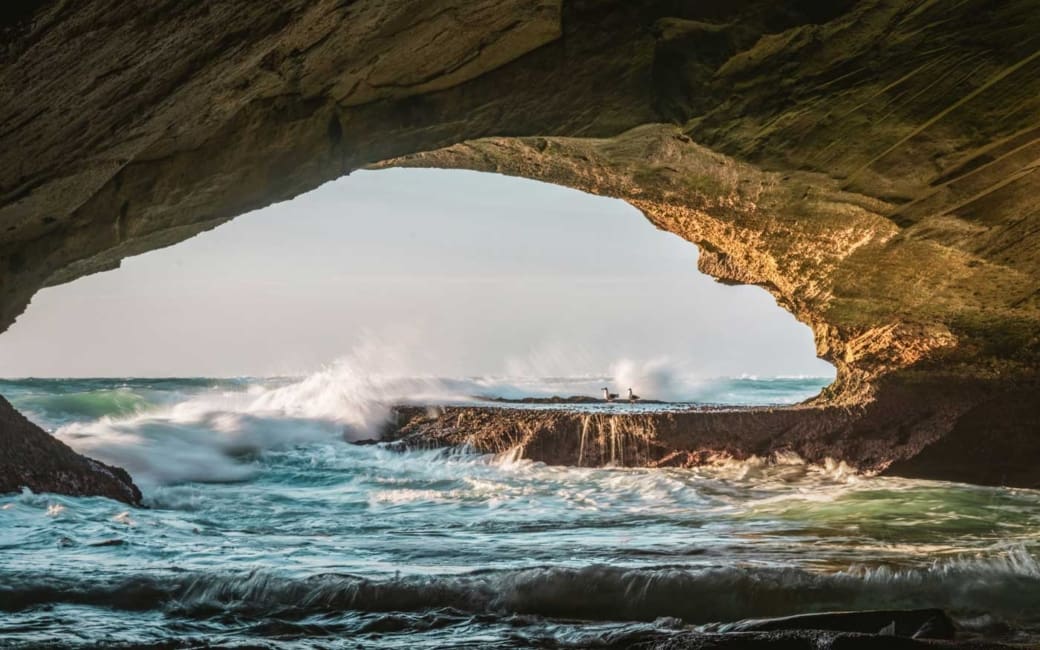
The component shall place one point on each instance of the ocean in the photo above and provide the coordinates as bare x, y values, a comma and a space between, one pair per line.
265, 527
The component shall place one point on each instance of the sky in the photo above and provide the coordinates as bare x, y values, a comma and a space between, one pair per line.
459, 273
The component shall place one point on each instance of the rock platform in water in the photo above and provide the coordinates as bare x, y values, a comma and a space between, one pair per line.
956, 431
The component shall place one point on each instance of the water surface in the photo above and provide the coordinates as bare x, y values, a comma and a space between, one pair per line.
265, 527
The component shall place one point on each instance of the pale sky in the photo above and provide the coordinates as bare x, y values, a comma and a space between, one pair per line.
460, 273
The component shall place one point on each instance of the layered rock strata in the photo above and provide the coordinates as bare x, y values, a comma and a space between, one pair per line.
910, 431
873, 164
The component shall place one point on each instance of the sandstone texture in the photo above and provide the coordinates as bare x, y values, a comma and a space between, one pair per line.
873, 164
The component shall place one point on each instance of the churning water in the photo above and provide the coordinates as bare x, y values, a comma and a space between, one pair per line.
266, 528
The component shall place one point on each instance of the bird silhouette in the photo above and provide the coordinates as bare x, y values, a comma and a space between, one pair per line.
609, 396
632, 397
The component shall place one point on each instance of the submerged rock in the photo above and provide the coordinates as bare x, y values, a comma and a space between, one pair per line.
32, 458
809, 640
917, 623
867, 630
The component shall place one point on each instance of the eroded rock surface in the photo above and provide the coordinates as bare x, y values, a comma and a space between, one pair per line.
969, 432
31, 458
874, 164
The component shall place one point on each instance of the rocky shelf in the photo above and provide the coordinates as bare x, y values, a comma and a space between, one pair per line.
911, 431
571, 399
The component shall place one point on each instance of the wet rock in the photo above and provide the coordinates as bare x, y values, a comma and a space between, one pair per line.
921, 624
108, 542
968, 431
32, 458
808, 640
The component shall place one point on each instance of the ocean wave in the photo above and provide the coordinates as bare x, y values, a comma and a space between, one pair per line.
87, 405
54, 402
1007, 587
208, 435
172, 431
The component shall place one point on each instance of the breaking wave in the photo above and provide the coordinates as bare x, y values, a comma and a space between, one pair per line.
170, 431
298, 536
1007, 587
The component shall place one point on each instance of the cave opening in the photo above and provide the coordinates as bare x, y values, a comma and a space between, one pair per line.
870, 166
445, 273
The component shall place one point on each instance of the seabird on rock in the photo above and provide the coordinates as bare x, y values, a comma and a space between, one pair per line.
632, 397
609, 396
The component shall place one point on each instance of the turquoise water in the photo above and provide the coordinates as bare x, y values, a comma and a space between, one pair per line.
265, 527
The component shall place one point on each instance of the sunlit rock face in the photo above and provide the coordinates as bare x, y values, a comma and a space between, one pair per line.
872, 164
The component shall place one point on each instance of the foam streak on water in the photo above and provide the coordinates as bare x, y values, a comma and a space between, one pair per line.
265, 526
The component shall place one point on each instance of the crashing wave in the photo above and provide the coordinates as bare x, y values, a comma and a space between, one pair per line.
1007, 586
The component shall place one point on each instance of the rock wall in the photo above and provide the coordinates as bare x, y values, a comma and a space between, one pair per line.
872, 163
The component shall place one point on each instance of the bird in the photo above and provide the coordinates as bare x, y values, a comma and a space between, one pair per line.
609, 396
632, 397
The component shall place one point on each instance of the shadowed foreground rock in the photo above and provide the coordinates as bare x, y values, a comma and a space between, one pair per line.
808, 640
32, 458
867, 630
920, 623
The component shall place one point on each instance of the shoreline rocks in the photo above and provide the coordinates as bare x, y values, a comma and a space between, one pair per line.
32, 458
860, 630
972, 432
809, 640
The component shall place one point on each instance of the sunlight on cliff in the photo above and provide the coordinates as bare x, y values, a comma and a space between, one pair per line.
460, 273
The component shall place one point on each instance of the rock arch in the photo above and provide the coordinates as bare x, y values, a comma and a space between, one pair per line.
873, 164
